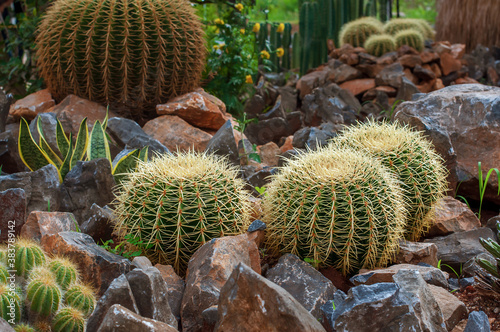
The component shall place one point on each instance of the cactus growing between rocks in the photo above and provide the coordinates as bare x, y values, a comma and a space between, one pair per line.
379, 45
410, 37
81, 297
9, 298
64, 270
28, 255
23, 328
69, 319
175, 203
358, 31
336, 207
412, 158
43, 293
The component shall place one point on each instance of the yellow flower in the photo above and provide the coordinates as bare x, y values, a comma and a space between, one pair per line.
218, 21
217, 31
256, 27
265, 54
281, 28
239, 6
280, 51
215, 47
242, 31
248, 79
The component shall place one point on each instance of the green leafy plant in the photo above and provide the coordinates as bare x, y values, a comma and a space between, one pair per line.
122, 248
491, 279
261, 190
242, 123
390, 112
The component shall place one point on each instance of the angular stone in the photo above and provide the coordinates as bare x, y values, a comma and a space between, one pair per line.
423, 73
417, 252
452, 216
261, 178
151, 295
466, 80
310, 81
270, 307
309, 287
32, 104
428, 56
210, 317
406, 90
410, 60
288, 98
195, 109
177, 134
87, 183
390, 75
141, 262
6, 101
5, 326
458, 51
9, 152
97, 266
345, 73
269, 154
449, 64
338, 280
310, 137
359, 86
12, 213
119, 318
265, 131
208, 269
477, 322
410, 76
175, 287
452, 308
99, 225
40, 224
223, 143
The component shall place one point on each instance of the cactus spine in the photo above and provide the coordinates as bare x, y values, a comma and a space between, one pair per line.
4, 274
28, 255
8, 300
43, 293
379, 45
411, 38
65, 271
358, 31
23, 328
69, 320
81, 297
337, 207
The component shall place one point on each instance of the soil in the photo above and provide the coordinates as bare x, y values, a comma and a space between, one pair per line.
476, 299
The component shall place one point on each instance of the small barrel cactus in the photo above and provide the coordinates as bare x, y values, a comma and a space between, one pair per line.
335, 207
28, 255
23, 328
378, 45
358, 31
43, 294
396, 25
172, 205
4, 274
68, 319
10, 304
410, 37
65, 271
412, 158
428, 31
81, 297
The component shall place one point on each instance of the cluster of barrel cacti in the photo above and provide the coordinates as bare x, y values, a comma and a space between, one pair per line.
46, 295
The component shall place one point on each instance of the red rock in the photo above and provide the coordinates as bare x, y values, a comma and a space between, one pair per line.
458, 51
357, 87
270, 154
426, 87
493, 76
370, 70
417, 252
213, 99
452, 216
441, 47
338, 280
391, 92
452, 308
350, 59
449, 64
409, 75
410, 60
344, 49
438, 84
40, 224
177, 134
387, 59
31, 105
287, 145
175, 287
195, 109
12, 213
466, 80
405, 49
428, 56
310, 81
436, 69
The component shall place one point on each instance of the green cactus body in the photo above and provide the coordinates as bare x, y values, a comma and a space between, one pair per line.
286, 42
429, 32
3, 255
4, 274
81, 297
23, 328
358, 31
10, 308
28, 255
396, 25
379, 45
337, 208
43, 294
68, 319
411, 38
65, 271
139, 53
412, 158
176, 203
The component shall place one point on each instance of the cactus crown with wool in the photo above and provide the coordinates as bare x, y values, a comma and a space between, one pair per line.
43, 293
379, 45
65, 271
176, 203
28, 255
410, 37
412, 158
336, 207
136, 52
358, 31
68, 319
6, 297
81, 297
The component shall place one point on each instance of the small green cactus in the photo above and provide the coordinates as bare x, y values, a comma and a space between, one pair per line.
43, 293
358, 31
23, 328
65, 271
10, 308
28, 255
336, 207
4, 274
412, 158
81, 297
410, 37
68, 319
379, 45
396, 25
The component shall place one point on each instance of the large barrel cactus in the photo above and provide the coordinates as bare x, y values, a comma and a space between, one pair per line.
358, 31
335, 207
172, 205
138, 53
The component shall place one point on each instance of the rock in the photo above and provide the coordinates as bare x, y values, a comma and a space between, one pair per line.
40, 224
12, 213
452, 216
465, 80
270, 307
141, 262
118, 292
175, 288
208, 269
425, 305
438, 85
458, 248
99, 225
436, 70
417, 252
177, 134
449, 64
463, 124
310, 137
287, 155
6, 101
151, 295
458, 51
383, 305
406, 90
410, 76
257, 231
430, 274
32, 104
255, 105
309, 287
338, 280
452, 308
195, 109
87, 183
223, 143
345, 73
477, 322
5, 326
265, 131
288, 98
492, 224
97, 266
423, 73
119, 318
390, 75
429, 56
210, 317
261, 178
358, 86
41, 187
410, 60
269, 153
275, 112
310, 81
426, 86
9, 153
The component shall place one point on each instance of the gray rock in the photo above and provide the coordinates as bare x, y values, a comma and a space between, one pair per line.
261, 178
5, 101
285, 156
9, 153
119, 318
477, 322
417, 252
310, 137
223, 143
345, 73
406, 90
210, 318
423, 73
255, 106
294, 120
5, 326
99, 225
276, 111
303, 282
289, 97
175, 286
141, 262
267, 130
151, 294
492, 224
257, 225
41, 187
391, 75
12, 213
